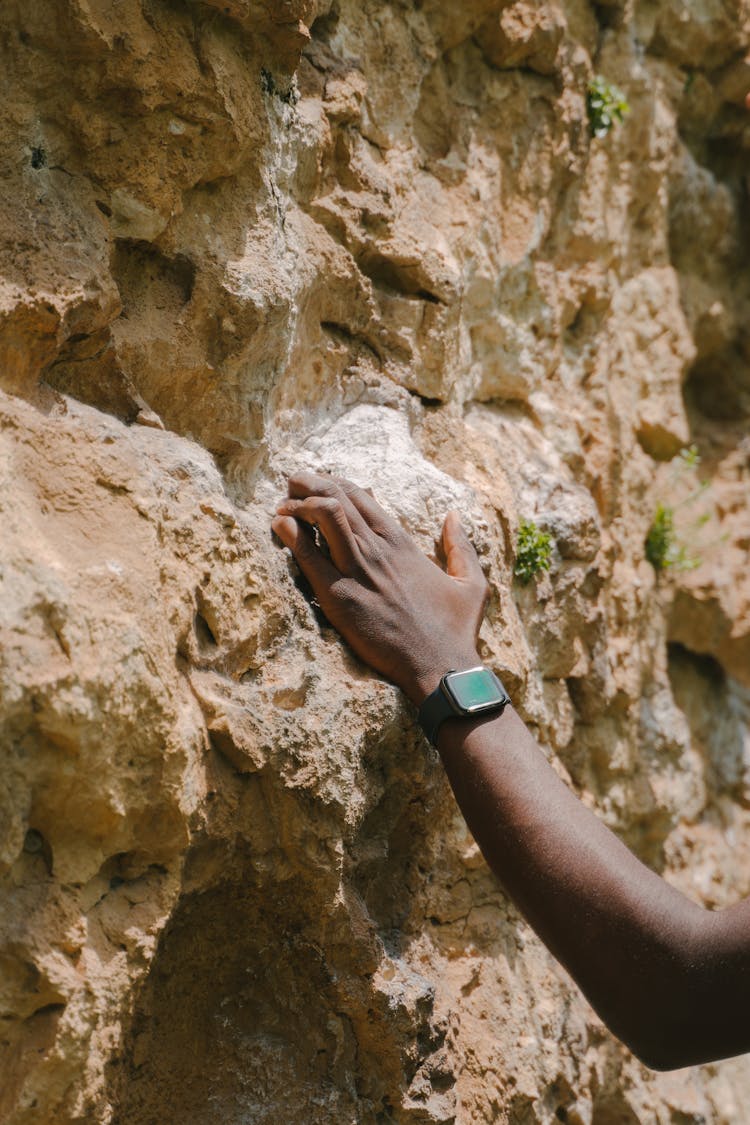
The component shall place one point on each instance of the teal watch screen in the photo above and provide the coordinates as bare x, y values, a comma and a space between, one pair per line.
475, 689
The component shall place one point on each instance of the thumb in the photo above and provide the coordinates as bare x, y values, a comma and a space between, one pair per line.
460, 557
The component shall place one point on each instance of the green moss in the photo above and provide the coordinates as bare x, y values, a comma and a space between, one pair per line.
533, 552
606, 105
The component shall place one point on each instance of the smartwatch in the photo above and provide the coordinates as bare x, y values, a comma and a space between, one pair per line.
476, 691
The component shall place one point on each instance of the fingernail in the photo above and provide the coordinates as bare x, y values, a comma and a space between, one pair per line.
277, 527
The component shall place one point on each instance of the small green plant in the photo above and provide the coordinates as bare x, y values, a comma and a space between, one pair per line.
690, 457
533, 552
606, 105
664, 548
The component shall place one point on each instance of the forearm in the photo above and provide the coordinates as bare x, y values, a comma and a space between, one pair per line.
625, 935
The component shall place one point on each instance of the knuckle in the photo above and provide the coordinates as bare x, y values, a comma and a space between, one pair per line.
346, 593
375, 549
323, 481
356, 495
375, 553
395, 535
314, 482
332, 505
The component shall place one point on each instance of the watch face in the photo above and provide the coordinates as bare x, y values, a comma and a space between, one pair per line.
475, 690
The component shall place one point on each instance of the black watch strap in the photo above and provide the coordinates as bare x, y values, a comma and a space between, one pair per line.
435, 709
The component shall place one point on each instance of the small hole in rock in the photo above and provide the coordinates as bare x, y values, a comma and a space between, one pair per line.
325, 25
33, 842
203, 631
38, 158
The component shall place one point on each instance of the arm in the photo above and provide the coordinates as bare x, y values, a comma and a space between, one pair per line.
671, 979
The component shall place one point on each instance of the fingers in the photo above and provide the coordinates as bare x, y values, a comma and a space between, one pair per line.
329, 515
305, 486
460, 557
316, 568
374, 516
362, 509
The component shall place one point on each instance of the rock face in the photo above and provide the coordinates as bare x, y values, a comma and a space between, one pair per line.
241, 237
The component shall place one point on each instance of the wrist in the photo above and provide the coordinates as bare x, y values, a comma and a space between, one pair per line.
463, 694
455, 735
424, 681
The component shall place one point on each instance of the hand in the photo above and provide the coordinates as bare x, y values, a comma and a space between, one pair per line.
399, 612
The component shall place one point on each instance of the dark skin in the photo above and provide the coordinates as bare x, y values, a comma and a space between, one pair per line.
669, 978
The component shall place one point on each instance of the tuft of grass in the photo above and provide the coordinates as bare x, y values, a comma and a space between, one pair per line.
663, 546
606, 105
660, 541
533, 552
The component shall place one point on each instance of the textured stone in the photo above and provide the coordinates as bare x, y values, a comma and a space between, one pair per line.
240, 238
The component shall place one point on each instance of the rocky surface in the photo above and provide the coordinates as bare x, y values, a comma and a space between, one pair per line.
241, 237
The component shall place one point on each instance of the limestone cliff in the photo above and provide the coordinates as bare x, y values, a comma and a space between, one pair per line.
240, 237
